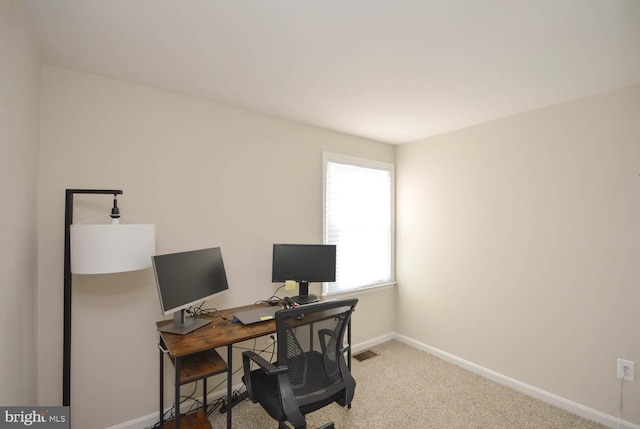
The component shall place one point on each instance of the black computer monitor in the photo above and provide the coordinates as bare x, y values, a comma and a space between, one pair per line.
185, 279
304, 263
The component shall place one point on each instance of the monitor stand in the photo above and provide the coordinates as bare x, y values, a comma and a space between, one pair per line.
304, 297
183, 325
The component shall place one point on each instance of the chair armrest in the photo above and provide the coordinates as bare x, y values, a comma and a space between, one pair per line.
266, 366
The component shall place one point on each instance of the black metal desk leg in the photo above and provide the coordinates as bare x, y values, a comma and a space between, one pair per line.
177, 394
161, 388
349, 341
349, 351
204, 394
229, 383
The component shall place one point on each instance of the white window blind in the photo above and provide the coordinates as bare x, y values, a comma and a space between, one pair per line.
358, 218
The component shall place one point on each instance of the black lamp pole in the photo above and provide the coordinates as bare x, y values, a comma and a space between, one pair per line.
68, 220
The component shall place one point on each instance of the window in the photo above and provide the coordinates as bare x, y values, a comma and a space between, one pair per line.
358, 218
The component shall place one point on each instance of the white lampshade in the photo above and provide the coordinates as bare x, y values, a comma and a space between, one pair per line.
114, 248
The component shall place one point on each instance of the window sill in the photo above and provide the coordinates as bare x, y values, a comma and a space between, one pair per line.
360, 291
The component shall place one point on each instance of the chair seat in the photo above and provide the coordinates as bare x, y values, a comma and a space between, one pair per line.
310, 397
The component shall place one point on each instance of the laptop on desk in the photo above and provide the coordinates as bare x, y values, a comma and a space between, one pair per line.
257, 315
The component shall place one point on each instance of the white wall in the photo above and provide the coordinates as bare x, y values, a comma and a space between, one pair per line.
206, 175
19, 116
518, 246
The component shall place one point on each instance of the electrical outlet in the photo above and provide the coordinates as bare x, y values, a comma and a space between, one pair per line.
626, 370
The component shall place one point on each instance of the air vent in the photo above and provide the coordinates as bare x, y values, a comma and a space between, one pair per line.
367, 354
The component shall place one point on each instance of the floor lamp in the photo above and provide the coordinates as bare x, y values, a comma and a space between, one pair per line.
98, 249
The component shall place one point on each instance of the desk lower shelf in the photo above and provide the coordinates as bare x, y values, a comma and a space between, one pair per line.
197, 420
200, 365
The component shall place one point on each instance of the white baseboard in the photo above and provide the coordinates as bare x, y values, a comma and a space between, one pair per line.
565, 404
356, 348
139, 423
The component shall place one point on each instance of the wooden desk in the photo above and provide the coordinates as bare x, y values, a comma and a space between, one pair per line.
221, 332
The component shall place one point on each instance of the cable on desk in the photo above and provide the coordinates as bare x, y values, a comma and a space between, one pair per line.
205, 312
213, 316
199, 311
273, 298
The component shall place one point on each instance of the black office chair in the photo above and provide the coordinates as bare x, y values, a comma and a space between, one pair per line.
311, 371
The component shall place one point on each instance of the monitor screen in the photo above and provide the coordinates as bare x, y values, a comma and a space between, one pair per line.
187, 278
304, 263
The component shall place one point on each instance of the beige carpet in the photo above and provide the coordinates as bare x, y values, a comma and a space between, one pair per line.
404, 387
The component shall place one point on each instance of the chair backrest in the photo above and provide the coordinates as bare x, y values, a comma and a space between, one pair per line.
311, 345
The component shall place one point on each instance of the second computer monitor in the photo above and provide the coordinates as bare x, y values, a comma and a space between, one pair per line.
304, 264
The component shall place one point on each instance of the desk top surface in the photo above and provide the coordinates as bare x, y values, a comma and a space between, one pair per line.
221, 332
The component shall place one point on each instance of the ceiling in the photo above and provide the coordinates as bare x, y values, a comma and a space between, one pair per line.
389, 70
